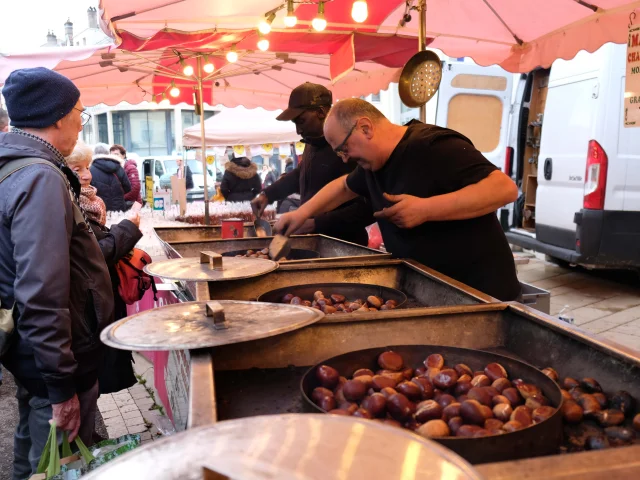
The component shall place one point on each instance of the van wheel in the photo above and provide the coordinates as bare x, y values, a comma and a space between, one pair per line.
556, 261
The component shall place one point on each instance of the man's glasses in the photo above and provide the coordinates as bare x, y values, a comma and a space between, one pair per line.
341, 150
84, 116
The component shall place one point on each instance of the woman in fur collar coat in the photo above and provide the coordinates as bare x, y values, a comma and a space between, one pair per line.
109, 178
241, 182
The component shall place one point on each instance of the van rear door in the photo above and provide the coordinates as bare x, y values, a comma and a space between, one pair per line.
569, 124
476, 102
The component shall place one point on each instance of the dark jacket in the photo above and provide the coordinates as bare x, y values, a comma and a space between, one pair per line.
188, 177
319, 166
269, 179
53, 270
241, 182
116, 372
131, 169
111, 181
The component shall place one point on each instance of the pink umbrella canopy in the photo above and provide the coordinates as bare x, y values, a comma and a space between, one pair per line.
517, 35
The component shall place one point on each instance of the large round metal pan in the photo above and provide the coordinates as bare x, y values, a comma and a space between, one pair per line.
351, 291
537, 440
294, 254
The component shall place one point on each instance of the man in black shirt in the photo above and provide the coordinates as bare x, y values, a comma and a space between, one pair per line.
308, 107
434, 195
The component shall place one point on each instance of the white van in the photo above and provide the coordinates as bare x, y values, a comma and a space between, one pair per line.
576, 164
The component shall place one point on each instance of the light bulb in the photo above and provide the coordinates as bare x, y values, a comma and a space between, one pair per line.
359, 11
208, 67
232, 56
319, 23
264, 27
263, 44
290, 21
174, 92
188, 70
165, 102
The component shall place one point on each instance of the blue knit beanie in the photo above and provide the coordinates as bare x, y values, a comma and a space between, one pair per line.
38, 97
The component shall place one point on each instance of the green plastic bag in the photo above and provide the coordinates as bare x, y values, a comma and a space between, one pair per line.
50, 460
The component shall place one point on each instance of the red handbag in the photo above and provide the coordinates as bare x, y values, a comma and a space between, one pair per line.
133, 280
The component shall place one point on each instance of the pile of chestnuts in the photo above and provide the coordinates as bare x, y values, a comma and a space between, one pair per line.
264, 253
337, 303
434, 400
593, 419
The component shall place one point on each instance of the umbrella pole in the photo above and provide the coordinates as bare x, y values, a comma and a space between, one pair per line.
204, 144
422, 9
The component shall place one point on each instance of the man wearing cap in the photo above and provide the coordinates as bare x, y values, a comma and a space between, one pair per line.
53, 277
309, 104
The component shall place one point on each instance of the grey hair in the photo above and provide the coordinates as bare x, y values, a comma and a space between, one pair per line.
101, 149
81, 153
349, 110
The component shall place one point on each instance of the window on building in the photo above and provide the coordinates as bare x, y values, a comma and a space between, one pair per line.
103, 129
159, 170
189, 117
87, 133
375, 97
84, 41
145, 132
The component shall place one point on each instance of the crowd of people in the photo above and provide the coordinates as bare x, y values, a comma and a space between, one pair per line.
428, 187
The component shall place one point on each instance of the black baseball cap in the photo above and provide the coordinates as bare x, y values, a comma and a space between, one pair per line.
306, 96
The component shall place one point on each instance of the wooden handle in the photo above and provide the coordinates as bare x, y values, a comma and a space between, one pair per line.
212, 258
215, 310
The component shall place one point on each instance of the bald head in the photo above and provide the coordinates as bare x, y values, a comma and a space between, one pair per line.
358, 131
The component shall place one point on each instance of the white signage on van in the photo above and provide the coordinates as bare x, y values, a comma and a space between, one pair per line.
632, 81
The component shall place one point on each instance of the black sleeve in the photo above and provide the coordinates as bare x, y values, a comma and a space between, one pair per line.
284, 187
354, 215
119, 241
256, 185
189, 183
459, 164
124, 180
357, 182
225, 185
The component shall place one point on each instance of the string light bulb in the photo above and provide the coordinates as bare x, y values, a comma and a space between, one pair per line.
165, 101
186, 69
263, 44
319, 23
232, 55
265, 25
208, 67
359, 11
175, 91
290, 20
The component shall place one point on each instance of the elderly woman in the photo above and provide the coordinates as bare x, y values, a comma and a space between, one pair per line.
115, 243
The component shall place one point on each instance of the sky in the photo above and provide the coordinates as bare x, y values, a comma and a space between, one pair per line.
24, 23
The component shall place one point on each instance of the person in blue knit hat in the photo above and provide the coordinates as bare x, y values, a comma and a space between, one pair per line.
54, 282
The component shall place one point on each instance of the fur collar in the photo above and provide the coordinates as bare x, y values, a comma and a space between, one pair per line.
242, 172
110, 157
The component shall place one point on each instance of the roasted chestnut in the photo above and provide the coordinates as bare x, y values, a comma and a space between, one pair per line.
609, 418
317, 295
388, 392
480, 381
327, 376
590, 385
337, 298
296, 301
482, 433
462, 370
431, 373
287, 298
454, 424
471, 411
391, 303
512, 426
513, 396
624, 402
541, 414
481, 395
428, 410
569, 383
366, 379
434, 429
536, 401
498, 399
362, 413
462, 388
400, 407
389, 421
379, 382
566, 395
434, 361
517, 382
576, 393
375, 404
522, 415
572, 412
397, 376
596, 442
589, 404
602, 399
390, 361
503, 412
410, 390
445, 399
327, 403
527, 390
495, 371
619, 435
425, 387
486, 411
501, 383
319, 393
450, 411
354, 390
464, 378
493, 424
551, 373
468, 430
491, 391
421, 370
363, 371
445, 378
375, 302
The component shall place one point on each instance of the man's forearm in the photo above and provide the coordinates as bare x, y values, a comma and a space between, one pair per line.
473, 201
329, 198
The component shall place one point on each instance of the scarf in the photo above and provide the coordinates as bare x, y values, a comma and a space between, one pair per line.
93, 205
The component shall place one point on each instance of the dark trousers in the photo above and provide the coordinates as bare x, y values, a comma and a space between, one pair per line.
33, 428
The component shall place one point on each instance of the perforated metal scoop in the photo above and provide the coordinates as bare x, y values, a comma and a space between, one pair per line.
420, 79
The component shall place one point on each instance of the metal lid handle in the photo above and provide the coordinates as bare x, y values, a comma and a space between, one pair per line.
212, 258
216, 311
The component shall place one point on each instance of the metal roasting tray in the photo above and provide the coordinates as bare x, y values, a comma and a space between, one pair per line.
328, 248
198, 232
294, 254
537, 440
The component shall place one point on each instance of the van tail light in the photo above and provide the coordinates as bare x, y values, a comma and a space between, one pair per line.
595, 179
508, 161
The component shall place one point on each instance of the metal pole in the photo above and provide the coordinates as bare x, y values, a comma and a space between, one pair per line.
422, 10
204, 143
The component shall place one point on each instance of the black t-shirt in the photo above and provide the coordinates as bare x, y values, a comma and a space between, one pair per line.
432, 161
